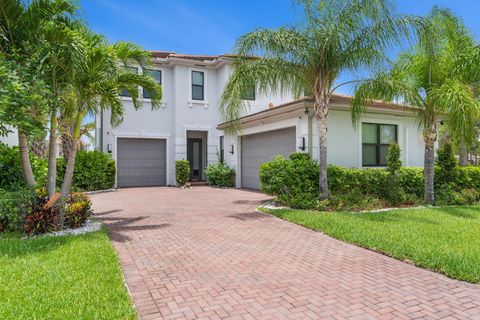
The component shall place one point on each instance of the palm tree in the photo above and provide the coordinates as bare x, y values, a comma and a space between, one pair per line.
337, 36
439, 76
21, 32
96, 81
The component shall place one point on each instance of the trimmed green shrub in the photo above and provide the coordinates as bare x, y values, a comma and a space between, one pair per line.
11, 173
393, 190
182, 172
220, 175
14, 205
447, 164
94, 170
393, 158
293, 181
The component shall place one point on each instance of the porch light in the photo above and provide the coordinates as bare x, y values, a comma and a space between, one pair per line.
109, 148
302, 144
231, 149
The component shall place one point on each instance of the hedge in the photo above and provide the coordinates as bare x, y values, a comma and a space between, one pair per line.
11, 173
94, 170
220, 175
294, 182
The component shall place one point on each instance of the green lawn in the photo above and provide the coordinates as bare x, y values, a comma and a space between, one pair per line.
70, 277
443, 239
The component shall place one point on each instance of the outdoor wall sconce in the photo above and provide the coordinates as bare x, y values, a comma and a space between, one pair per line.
306, 111
109, 148
231, 149
302, 144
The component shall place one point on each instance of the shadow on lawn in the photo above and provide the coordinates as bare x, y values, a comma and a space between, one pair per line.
117, 225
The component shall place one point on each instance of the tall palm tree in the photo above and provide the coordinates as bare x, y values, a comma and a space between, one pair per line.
336, 36
96, 81
440, 77
21, 32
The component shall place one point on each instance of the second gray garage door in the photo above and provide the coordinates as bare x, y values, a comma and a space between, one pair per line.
262, 147
141, 162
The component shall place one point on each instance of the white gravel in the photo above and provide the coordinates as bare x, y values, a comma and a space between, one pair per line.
90, 226
272, 205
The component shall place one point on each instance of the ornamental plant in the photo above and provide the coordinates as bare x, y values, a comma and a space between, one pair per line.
182, 172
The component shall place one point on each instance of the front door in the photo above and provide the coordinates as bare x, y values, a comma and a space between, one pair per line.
194, 156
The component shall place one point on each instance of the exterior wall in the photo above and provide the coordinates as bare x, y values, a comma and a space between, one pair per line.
177, 115
345, 141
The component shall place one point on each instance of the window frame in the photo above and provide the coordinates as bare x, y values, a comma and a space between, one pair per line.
124, 93
144, 91
378, 144
197, 85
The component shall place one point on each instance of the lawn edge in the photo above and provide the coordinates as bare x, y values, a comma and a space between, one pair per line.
407, 261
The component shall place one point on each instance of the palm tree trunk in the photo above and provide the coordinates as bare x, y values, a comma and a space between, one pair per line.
25, 159
52, 155
429, 165
463, 154
321, 111
68, 178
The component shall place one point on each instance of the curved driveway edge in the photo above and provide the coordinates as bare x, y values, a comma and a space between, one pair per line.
204, 253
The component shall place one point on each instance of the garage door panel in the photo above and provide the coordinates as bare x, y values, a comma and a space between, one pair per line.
141, 162
263, 147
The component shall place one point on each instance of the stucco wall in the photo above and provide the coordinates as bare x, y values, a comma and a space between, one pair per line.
11, 139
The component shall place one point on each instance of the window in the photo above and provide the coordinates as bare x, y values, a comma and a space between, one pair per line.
156, 76
198, 85
375, 141
222, 150
124, 92
249, 94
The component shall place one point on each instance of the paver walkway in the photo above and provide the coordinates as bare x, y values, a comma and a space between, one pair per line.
204, 253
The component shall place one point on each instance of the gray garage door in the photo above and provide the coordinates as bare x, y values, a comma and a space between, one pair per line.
262, 147
141, 162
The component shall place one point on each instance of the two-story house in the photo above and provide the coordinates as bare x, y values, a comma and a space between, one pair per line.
188, 126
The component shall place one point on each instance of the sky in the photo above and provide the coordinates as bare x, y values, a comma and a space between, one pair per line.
212, 26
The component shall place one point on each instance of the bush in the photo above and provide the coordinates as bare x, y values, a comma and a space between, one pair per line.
11, 173
447, 164
182, 172
77, 210
14, 205
94, 170
220, 175
40, 219
293, 181
393, 158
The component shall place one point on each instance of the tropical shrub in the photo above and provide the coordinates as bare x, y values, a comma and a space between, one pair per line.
94, 170
41, 219
11, 174
220, 175
77, 210
293, 181
182, 172
393, 190
447, 164
14, 205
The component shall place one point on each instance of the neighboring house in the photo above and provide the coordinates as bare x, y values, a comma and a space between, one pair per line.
188, 126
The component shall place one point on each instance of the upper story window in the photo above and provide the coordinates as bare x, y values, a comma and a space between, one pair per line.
375, 141
249, 94
124, 92
198, 85
156, 76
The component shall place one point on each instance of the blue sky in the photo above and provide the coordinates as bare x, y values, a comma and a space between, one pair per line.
212, 26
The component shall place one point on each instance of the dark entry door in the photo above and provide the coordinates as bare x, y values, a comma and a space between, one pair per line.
194, 156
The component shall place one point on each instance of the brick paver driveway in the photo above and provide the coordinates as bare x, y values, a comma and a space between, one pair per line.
204, 253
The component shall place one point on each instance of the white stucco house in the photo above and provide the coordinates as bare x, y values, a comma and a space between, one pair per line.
188, 126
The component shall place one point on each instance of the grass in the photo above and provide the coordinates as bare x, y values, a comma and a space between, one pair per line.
68, 277
445, 239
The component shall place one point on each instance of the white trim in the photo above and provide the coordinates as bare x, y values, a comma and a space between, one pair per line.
191, 101
142, 135
400, 138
